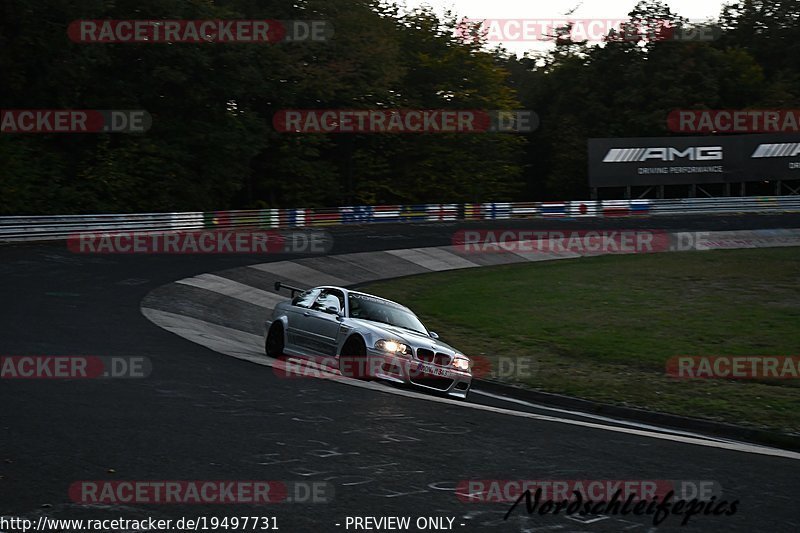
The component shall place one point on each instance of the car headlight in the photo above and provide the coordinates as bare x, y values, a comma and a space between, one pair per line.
391, 346
462, 363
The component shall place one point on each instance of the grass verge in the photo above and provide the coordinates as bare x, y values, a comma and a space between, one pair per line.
602, 328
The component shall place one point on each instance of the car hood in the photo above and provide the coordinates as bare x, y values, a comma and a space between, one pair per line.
408, 337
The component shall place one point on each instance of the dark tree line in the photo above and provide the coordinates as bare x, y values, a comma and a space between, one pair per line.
212, 144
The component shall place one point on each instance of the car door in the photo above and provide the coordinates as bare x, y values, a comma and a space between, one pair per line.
296, 332
323, 322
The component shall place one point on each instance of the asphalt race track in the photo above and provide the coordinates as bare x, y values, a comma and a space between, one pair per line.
202, 415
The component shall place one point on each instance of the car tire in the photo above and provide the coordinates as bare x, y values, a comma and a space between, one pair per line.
273, 344
354, 357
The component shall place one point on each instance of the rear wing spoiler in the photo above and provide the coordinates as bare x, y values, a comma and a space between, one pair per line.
279, 286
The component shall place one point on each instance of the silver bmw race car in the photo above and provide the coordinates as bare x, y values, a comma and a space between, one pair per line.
367, 336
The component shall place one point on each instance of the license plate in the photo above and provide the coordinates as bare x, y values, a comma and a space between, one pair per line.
433, 370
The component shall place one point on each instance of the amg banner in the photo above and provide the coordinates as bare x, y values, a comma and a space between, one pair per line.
686, 160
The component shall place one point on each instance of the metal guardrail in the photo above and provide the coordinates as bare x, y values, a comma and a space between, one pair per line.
53, 227
747, 204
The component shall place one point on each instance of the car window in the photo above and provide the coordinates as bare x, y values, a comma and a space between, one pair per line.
330, 298
305, 299
370, 308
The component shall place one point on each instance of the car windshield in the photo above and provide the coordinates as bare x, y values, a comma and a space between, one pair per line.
368, 307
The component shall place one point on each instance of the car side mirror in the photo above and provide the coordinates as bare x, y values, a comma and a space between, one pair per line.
434, 335
332, 309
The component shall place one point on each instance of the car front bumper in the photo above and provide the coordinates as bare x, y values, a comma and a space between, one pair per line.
412, 371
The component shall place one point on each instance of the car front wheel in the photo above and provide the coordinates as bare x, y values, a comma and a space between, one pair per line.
273, 346
353, 361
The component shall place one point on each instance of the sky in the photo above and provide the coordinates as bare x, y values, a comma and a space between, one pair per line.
557, 9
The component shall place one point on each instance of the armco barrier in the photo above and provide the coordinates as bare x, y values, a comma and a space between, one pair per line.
22, 228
